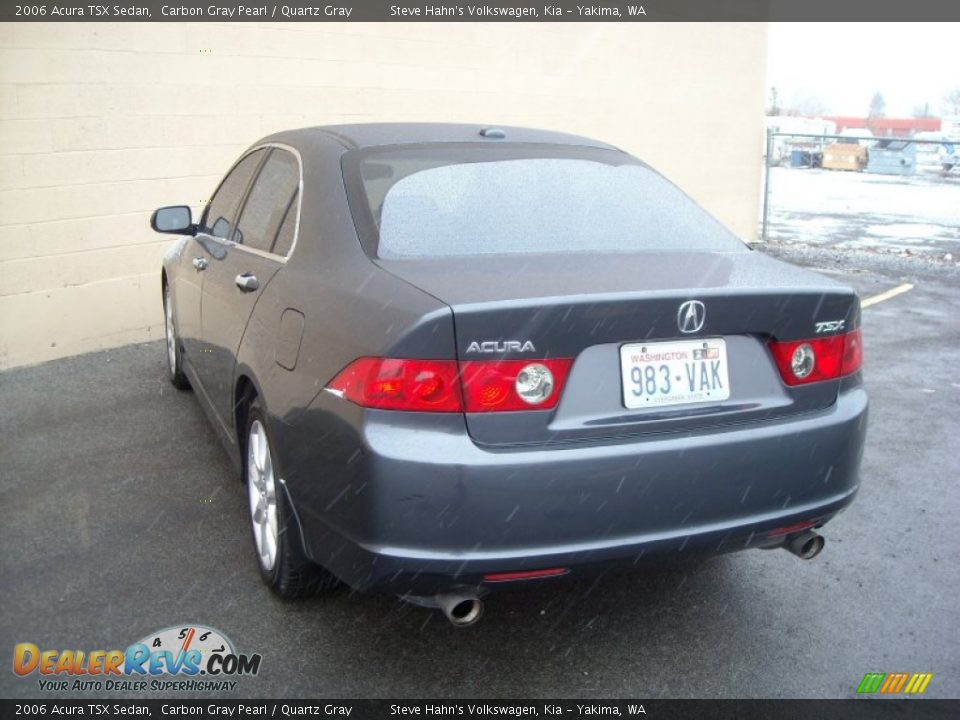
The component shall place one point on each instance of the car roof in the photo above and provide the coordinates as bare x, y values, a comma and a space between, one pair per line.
365, 135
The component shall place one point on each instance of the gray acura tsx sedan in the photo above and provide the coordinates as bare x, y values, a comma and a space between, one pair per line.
446, 358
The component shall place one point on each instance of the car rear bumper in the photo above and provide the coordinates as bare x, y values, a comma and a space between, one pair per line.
407, 503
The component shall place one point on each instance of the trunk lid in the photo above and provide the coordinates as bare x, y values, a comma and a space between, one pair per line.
586, 307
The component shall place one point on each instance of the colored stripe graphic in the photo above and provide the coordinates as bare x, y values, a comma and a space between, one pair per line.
893, 683
871, 682
918, 683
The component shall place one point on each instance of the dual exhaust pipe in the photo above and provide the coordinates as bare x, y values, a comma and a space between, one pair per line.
805, 545
464, 608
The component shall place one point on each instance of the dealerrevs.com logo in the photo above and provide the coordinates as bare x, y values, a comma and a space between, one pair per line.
181, 657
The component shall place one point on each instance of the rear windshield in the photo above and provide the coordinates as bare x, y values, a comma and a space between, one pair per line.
440, 201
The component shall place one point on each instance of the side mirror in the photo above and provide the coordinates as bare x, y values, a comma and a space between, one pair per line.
175, 219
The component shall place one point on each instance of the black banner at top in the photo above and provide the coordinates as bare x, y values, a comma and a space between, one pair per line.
176, 709
489, 11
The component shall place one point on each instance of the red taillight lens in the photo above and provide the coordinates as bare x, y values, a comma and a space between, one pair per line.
400, 384
806, 361
852, 352
493, 385
446, 386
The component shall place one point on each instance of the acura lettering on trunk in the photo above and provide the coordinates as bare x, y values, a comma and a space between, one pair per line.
501, 346
446, 359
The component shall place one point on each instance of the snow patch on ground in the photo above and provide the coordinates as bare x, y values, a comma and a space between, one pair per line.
906, 231
919, 214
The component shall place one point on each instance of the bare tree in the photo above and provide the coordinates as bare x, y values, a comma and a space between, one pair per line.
774, 108
808, 105
878, 106
952, 102
922, 111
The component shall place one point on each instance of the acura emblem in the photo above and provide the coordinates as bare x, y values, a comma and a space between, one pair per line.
690, 316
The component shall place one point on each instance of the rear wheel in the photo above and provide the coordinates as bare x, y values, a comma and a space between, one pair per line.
283, 563
174, 358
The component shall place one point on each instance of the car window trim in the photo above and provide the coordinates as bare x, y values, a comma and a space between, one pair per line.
286, 212
243, 204
243, 194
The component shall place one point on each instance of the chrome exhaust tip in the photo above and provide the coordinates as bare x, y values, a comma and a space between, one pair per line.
805, 545
461, 610
461, 607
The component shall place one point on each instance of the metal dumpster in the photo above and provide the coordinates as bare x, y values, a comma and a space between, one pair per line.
893, 157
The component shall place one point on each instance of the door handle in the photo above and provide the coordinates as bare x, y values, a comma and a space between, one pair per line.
247, 283
200, 263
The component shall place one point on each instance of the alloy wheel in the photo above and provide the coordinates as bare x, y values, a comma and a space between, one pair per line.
262, 493
171, 333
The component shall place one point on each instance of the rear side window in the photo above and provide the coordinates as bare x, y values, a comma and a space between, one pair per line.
268, 202
219, 219
428, 202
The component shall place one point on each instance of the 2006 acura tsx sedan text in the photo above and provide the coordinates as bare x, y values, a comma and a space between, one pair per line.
447, 358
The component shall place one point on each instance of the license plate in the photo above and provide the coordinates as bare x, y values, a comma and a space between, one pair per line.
656, 374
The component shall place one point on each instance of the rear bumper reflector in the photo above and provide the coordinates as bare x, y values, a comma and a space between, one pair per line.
790, 529
525, 575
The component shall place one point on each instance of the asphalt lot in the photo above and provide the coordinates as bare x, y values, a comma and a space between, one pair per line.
121, 516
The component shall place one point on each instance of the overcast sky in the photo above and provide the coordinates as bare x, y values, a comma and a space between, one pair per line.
839, 66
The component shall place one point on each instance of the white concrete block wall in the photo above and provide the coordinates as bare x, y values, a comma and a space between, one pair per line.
101, 123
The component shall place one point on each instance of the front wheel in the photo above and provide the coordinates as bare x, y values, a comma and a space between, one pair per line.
283, 564
174, 357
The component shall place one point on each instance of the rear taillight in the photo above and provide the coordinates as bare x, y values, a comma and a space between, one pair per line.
513, 384
395, 384
446, 386
806, 361
852, 352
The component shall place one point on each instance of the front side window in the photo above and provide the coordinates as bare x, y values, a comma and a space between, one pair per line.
270, 197
220, 217
434, 201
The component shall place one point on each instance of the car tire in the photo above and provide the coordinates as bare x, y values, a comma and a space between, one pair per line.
277, 542
174, 355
